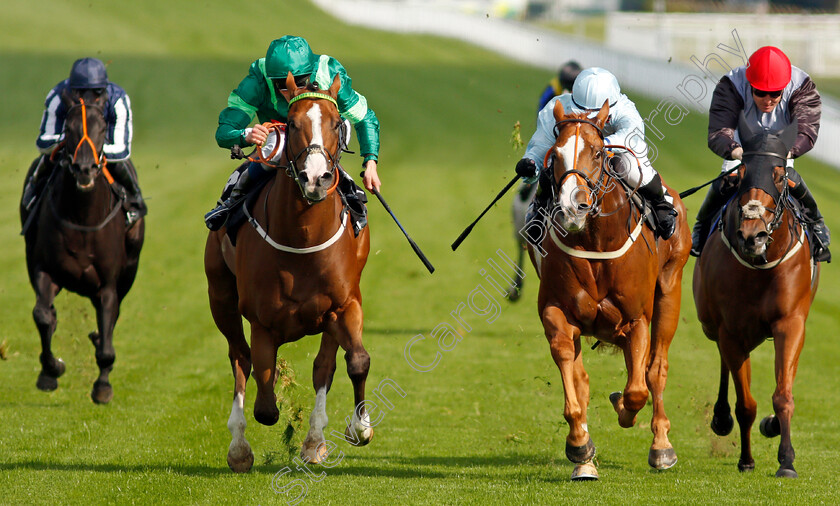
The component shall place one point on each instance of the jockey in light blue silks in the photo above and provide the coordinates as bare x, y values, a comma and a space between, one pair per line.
624, 127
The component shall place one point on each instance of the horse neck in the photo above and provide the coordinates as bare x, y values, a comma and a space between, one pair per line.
292, 218
607, 230
81, 207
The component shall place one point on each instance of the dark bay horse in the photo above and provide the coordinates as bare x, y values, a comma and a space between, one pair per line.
756, 280
605, 275
298, 275
79, 241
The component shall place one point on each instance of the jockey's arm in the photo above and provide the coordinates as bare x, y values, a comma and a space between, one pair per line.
120, 128
52, 124
542, 140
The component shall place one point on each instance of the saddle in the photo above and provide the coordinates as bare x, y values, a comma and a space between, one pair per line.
352, 196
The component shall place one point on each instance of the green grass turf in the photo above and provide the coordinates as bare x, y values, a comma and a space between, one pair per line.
485, 426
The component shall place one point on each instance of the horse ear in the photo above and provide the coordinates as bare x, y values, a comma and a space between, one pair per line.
603, 114
559, 112
290, 86
335, 86
789, 134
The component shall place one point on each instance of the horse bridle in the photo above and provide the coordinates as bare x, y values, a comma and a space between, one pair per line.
101, 161
777, 211
555, 187
292, 167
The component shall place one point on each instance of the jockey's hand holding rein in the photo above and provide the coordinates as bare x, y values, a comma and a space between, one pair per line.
256, 135
737, 153
371, 178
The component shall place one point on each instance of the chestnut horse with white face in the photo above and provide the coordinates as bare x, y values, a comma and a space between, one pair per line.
605, 275
756, 280
295, 272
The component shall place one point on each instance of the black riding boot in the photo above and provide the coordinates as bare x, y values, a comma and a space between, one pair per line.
663, 211
39, 173
541, 197
716, 197
217, 217
125, 174
820, 232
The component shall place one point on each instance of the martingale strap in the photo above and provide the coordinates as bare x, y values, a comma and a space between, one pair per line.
598, 255
299, 251
772, 264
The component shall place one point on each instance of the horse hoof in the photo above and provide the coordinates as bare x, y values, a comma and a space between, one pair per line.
241, 464
102, 392
769, 426
662, 459
614, 398
266, 412
312, 453
580, 454
357, 438
585, 472
786, 473
746, 467
722, 426
514, 292
46, 382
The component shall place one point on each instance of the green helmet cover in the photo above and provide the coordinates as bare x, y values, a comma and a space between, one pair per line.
289, 54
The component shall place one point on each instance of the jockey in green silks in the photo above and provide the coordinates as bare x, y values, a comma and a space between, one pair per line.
258, 95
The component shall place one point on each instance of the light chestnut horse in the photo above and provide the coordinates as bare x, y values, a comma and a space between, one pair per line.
755, 280
298, 275
605, 275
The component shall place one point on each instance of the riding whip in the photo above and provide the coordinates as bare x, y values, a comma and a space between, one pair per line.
413, 244
467, 231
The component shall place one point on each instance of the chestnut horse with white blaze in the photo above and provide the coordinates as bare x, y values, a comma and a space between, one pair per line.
606, 275
297, 275
755, 280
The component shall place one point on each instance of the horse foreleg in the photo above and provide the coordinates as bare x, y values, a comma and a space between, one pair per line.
564, 342
347, 330
107, 311
664, 325
45, 320
314, 449
635, 395
738, 362
789, 337
264, 360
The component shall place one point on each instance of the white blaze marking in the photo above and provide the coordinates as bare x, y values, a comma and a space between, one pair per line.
567, 151
315, 166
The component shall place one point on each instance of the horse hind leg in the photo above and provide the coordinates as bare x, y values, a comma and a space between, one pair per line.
44, 315
738, 362
314, 448
722, 421
628, 403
